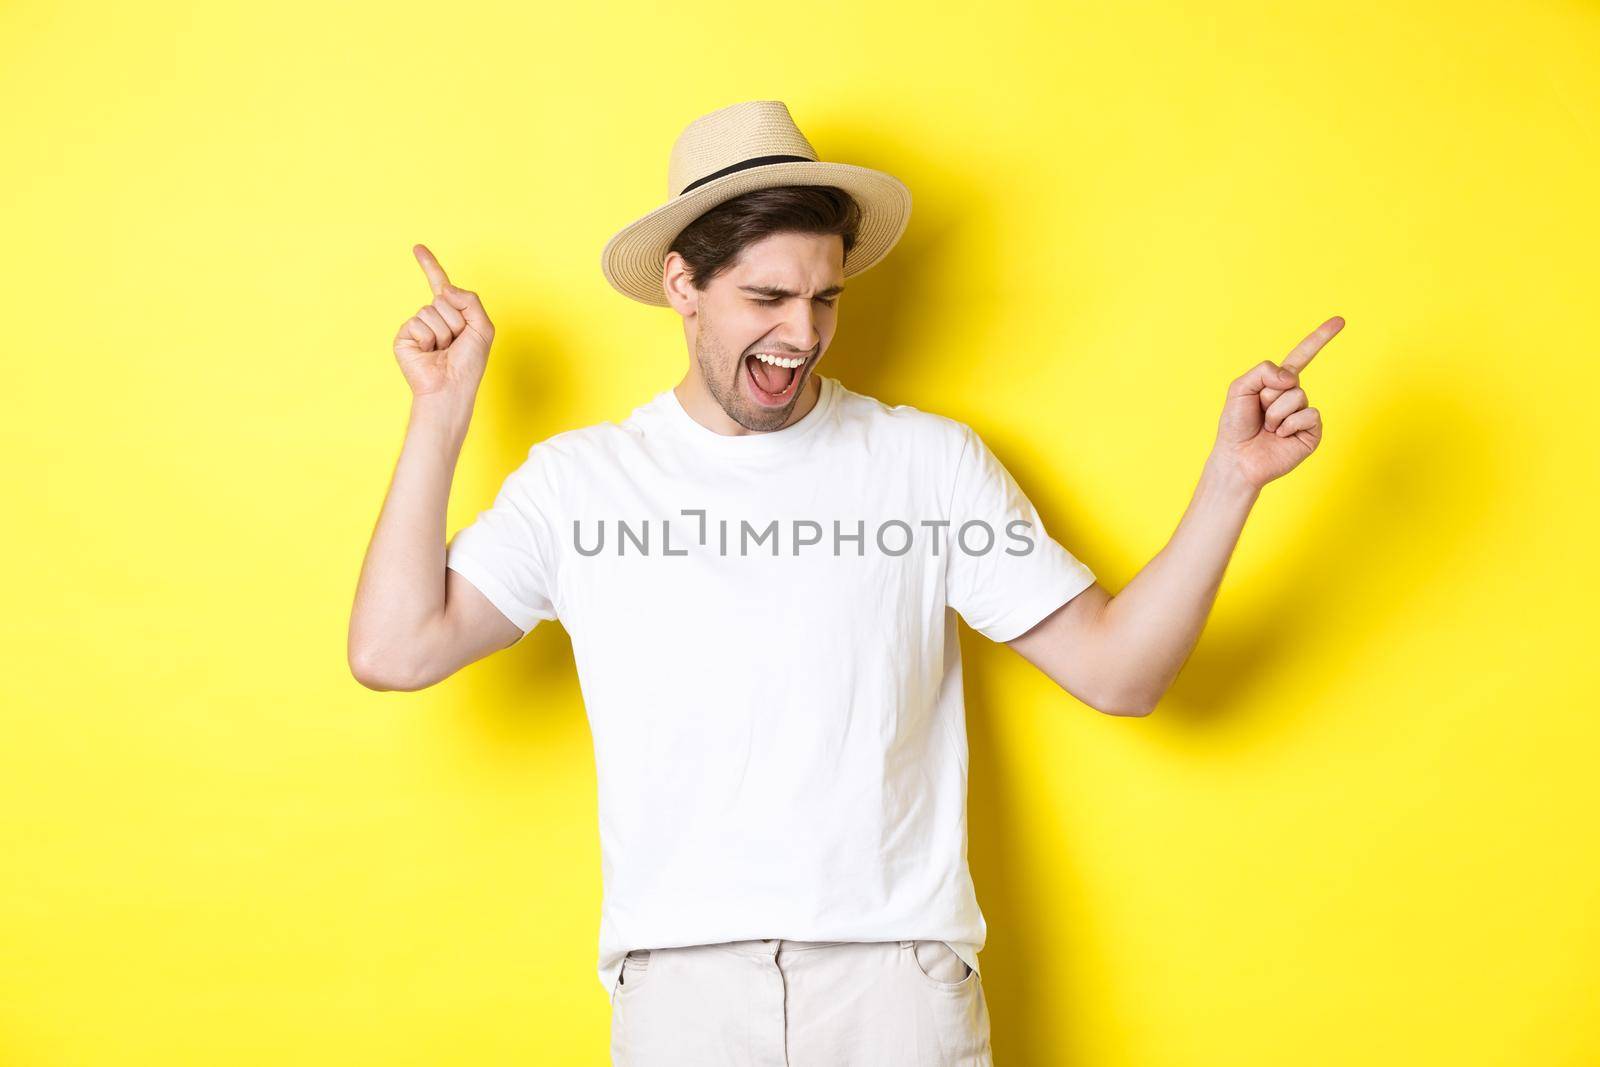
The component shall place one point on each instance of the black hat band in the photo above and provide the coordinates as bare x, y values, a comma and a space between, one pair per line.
759, 161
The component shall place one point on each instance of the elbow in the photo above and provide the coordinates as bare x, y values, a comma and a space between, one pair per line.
1127, 705
1126, 709
379, 674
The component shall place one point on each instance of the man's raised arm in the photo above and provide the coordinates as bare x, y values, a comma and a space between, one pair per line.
1121, 653
414, 622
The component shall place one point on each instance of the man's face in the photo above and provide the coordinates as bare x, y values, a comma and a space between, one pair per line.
779, 298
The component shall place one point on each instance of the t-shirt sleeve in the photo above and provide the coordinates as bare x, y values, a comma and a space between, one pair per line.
1005, 583
508, 551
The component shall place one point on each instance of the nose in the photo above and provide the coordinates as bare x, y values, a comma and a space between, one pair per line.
799, 329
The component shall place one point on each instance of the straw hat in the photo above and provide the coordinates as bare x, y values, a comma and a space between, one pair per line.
752, 145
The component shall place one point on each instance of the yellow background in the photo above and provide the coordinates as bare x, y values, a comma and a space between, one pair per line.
1360, 829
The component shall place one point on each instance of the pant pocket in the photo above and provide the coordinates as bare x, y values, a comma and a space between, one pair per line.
939, 964
635, 970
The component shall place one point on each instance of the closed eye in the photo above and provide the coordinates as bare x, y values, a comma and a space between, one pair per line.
779, 300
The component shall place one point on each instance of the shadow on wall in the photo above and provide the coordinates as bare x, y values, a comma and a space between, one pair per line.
509, 697
1409, 498
871, 351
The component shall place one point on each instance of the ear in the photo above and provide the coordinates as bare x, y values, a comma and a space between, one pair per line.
680, 292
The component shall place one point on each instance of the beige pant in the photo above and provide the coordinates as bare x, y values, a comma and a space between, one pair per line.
779, 1003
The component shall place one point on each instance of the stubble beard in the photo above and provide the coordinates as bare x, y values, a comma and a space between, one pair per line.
729, 391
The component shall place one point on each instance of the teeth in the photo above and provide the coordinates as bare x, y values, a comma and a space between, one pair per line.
779, 361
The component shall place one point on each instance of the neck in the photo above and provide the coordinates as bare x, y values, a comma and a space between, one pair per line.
704, 409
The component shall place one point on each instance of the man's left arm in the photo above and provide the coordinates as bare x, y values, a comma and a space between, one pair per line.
1121, 653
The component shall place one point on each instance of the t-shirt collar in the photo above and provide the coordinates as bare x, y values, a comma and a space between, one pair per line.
751, 444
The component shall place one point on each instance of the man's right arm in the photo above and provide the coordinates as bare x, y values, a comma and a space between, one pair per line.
415, 622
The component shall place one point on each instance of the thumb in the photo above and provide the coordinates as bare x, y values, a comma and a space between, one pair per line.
1264, 375
471, 308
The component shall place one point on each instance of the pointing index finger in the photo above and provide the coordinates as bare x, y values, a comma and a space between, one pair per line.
430, 267
1296, 360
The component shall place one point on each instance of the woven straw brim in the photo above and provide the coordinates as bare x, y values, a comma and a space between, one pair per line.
632, 259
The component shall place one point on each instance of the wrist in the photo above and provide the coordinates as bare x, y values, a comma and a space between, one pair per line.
1222, 476
441, 417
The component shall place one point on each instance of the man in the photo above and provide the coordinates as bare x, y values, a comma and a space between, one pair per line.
759, 570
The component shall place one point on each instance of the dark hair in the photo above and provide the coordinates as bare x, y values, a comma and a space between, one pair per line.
711, 243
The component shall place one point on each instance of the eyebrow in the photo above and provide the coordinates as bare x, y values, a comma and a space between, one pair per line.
771, 290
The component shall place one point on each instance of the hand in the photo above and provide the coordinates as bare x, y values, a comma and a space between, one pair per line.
444, 347
1266, 428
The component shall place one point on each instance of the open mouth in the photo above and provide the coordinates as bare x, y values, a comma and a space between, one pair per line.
773, 385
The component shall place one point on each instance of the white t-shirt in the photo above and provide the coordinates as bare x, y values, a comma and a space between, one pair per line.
765, 644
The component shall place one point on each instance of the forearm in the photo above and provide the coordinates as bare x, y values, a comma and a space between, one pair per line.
401, 590
1149, 628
